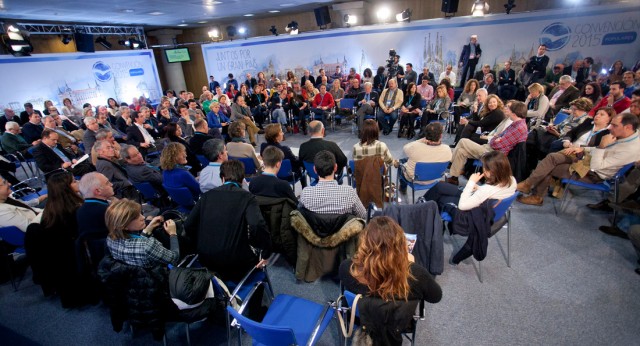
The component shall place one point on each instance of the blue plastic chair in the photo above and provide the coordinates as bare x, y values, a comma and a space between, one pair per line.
182, 196
611, 185
425, 171
203, 160
344, 104
147, 190
289, 321
311, 173
350, 297
286, 173
12, 235
250, 169
477, 164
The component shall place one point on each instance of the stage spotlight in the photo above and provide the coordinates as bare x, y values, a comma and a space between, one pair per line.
292, 28
479, 8
383, 14
231, 31
350, 19
509, 6
242, 30
273, 30
16, 43
102, 40
404, 15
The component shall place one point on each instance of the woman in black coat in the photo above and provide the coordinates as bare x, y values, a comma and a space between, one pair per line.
410, 110
488, 119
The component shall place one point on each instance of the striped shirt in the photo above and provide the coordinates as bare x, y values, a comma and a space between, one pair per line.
360, 151
330, 198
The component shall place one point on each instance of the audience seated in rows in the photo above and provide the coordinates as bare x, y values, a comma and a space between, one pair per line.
268, 184
317, 143
174, 173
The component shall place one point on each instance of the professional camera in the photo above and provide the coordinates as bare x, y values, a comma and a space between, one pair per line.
392, 68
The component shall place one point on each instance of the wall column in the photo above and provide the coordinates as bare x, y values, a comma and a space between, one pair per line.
173, 71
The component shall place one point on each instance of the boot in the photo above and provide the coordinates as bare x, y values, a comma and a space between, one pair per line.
531, 200
524, 187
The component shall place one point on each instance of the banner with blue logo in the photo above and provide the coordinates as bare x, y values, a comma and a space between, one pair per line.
82, 77
605, 33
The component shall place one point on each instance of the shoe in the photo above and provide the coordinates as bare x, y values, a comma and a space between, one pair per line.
289, 129
261, 132
452, 145
452, 180
602, 206
254, 144
524, 187
399, 134
614, 231
531, 200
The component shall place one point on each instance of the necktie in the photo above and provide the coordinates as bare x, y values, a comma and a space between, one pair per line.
367, 97
62, 156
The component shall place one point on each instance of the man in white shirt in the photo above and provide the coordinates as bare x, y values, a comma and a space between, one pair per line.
448, 73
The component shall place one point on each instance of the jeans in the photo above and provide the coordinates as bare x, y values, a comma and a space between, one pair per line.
279, 115
387, 124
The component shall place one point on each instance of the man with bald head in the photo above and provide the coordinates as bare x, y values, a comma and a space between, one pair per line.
317, 143
9, 115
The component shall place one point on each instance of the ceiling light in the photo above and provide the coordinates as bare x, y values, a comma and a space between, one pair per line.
273, 30
479, 8
209, 2
242, 30
127, 10
156, 13
509, 6
350, 19
292, 28
12, 28
102, 40
274, 11
404, 15
214, 33
202, 22
183, 24
249, 15
383, 14
16, 43
287, 5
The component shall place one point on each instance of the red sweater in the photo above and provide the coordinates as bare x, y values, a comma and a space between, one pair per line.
618, 106
320, 101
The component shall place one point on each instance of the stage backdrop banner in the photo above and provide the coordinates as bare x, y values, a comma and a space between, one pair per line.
605, 33
82, 77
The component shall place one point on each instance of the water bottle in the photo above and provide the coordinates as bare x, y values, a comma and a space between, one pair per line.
479, 130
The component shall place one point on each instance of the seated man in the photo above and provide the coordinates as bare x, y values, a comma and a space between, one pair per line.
354, 90
12, 141
486, 69
268, 184
138, 170
317, 143
515, 133
89, 138
97, 191
138, 135
507, 82
366, 103
489, 84
66, 139
9, 115
111, 169
615, 99
228, 228
616, 149
427, 149
26, 114
327, 197
200, 136
562, 95
240, 112
390, 102
50, 156
103, 123
32, 130
322, 103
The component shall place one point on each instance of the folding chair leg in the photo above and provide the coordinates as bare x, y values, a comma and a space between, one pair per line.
480, 271
509, 238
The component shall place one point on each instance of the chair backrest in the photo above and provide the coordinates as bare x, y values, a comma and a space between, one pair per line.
560, 117
309, 167
147, 190
180, 195
426, 171
503, 205
12, 235
286, 170
264, 334
203, 160
249, 166
347, 103
623, 170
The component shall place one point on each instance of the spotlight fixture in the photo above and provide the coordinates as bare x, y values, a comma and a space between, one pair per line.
16, 43
383, 14
404, 15
350, 19
292, 28
231, 31
479, 8
509, 6
242, 30
274, 30
102, 40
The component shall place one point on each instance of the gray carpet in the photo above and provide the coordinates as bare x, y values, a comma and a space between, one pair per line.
568, 284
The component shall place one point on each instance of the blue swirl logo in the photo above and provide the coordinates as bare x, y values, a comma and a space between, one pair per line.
102, 71
555, 36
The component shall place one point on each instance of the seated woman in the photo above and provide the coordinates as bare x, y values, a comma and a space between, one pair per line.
410, 110
499, 183
299, 108
466, 99
437, 106
588, 133
217, 120
223, 100
14, 212
174, 174
130, 238
383, 268
51, 244
258, 104
369, 144
173, 132
274, 136
537, 103
592, 91
238, 147
487, 120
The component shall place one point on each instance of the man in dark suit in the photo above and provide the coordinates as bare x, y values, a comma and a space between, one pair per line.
583, 75
486, 69
107, 165
137, 135
200, 136
97, 190
250, 82
489, 84
366, 102
32, 130
9, 115
469, 58
307, 77
507, 82
26, 114
50, 156
317, 143
138, 170
537, 66
563, 94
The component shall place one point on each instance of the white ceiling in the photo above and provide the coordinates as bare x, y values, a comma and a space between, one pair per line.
164, 13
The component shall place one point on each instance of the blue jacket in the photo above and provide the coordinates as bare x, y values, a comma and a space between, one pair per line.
215, 120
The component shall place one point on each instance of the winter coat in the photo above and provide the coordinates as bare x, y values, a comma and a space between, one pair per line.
276, 213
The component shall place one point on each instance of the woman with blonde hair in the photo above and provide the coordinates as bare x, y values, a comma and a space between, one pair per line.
437, 106
382, 267
130, 239
174, 173
537, 102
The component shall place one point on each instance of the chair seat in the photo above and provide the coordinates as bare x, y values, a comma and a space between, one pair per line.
605, 187
246, 287
296, 313
445, 216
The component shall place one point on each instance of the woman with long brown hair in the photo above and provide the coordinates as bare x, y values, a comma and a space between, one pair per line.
382, 267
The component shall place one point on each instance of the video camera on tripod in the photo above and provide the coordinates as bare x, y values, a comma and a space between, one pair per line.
392, 67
